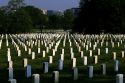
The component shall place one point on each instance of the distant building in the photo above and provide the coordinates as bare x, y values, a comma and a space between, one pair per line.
44, 11
54, 12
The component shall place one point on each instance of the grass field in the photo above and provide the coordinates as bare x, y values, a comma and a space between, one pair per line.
66, 73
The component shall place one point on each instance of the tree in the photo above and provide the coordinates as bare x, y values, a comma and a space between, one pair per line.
15, 4
2, 21
19, 22
98, 15
38, 18
68, 19
55, 21
64, 21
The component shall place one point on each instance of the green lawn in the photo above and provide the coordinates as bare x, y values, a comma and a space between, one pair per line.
66, 73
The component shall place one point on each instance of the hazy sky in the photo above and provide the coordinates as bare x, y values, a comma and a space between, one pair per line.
49, 4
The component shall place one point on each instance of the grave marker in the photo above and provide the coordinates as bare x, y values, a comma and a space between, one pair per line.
55, 76
36, 78
28, 71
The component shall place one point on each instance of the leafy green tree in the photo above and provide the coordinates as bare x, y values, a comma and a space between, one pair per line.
15, 4
38, 18
68, 19
55, 22
122, 14
61, 21
98, 15
19, 22
2, 21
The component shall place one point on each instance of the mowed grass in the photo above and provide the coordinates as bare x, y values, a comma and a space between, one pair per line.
66, 73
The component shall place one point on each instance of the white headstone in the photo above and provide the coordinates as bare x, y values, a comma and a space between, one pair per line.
94, 46
74, 62
103, 67
119, 78
50, 59
106, 43
38, 50
112, 44
90, 71
62, 57
62, 51
114, 55
53, 52
90, 44
9, 58
10, 64
118, 44
44, 53
60, 64
8, 52
81, 54
101, 44
13, 81
75, 73
19, 52
45, 67
116, 65
25, 48
47, 49
85, 60
72, 55
71, 50
29, 51
106, 50
28, 71
90, 53
33, 55
56, 76
95, 59
87, 47
79, 48
10, 73
123, 54
36, 78
25, 62
99, 51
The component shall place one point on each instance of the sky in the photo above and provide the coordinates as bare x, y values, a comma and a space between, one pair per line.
49, 4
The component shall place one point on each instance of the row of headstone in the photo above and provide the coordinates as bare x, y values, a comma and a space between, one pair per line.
55, 76
60, 62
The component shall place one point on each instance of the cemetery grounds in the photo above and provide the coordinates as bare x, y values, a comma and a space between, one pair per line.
99, 49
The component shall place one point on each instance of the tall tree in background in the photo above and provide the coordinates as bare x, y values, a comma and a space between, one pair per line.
18, 22
15, 4
2, 22
38, 18
100, 15
55, 22
122, 14
68, 19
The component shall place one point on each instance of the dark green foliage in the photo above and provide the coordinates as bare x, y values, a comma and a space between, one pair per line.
55, 22
100, 15
15, 4
2, 22
18, 22
68, 19
38, 18
21, 21
18, 18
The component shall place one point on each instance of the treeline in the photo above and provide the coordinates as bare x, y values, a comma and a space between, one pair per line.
97, 16
17, 17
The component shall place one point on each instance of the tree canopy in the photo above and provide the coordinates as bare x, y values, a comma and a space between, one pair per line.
100, 15
17, 17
